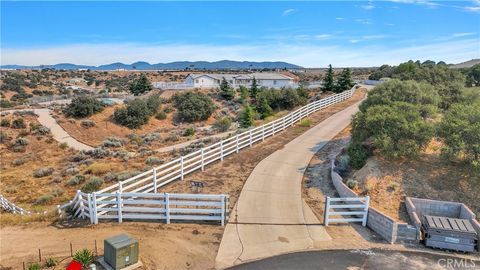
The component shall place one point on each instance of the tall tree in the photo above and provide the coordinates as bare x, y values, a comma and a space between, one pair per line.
140, 85
254, 88
328, 82
345, 81
246, 116
225, 90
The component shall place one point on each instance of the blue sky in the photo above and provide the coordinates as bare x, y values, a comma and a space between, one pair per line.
311, 34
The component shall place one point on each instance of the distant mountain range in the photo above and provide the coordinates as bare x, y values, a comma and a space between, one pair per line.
467, 64
181, 65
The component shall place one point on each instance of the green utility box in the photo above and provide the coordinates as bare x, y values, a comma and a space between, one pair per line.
120, 251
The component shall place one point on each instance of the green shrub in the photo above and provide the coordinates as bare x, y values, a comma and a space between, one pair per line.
352, 183
168, 109
126, 174
140, 85
112, 142
246, 116
305, 122
88, 123
63, 145
154, 161
18, 123
3, 137
460, 131
34, 266
5, 122
42, 172
21, 141
222, 124
44, 199
189, 131
396, 130
75, 180
358, 155
83, 106
84, 256
137, 112
92, 185
193, 107
161, 116
50, 262
41, 130
226, 91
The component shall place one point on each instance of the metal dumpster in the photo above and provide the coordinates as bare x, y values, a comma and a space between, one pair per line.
449, 233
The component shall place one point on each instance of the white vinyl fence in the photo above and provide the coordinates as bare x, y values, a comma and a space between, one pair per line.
354, 209
11, 207
151, 206
152, 180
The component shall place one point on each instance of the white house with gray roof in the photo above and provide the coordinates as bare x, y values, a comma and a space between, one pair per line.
213, 80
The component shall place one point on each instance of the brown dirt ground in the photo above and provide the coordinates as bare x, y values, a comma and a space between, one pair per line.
17, 182
430, 177
173, 246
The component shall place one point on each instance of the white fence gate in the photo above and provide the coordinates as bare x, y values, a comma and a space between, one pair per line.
354, 209
11, 207
151, 206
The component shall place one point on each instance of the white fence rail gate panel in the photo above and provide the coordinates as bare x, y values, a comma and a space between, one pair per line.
343, 210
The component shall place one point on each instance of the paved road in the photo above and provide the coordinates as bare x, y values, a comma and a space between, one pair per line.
270, 217
360, 259
59, 134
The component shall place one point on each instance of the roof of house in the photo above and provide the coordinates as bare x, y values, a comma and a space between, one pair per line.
258, 76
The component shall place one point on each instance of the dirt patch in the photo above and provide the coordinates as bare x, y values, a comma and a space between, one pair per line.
162, 246
429, 177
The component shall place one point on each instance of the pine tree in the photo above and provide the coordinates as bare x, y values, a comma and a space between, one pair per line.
329, 83
254, 88
140, 85
264, 108
225, 90
246, 116
345, 81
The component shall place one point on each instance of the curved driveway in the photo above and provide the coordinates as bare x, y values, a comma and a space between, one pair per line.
59, 134
270, 217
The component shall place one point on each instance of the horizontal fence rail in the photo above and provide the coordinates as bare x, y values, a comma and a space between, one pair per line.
152, 180
354, 209
11, 207
166, 207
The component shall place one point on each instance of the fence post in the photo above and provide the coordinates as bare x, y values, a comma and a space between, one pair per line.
154, 180
273, 128
82, 213
221, 150
327, 207
203, 159
90, 208
120, 186
119, 207
167, 207
365, 214
181, 167
237, 142
250, 137
95, 219
283, 123
223, 210
263, 133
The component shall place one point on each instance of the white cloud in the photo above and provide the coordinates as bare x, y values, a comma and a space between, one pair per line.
323, 36
289, 12
339, 18
463, 34
368, 6
308, 55
390, 24
364, 21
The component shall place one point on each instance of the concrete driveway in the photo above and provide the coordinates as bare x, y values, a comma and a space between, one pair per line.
59, 134
270, 217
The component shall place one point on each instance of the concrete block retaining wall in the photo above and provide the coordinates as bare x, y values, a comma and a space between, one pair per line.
382, 224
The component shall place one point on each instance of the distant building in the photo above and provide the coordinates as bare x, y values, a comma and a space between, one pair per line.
213, 80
